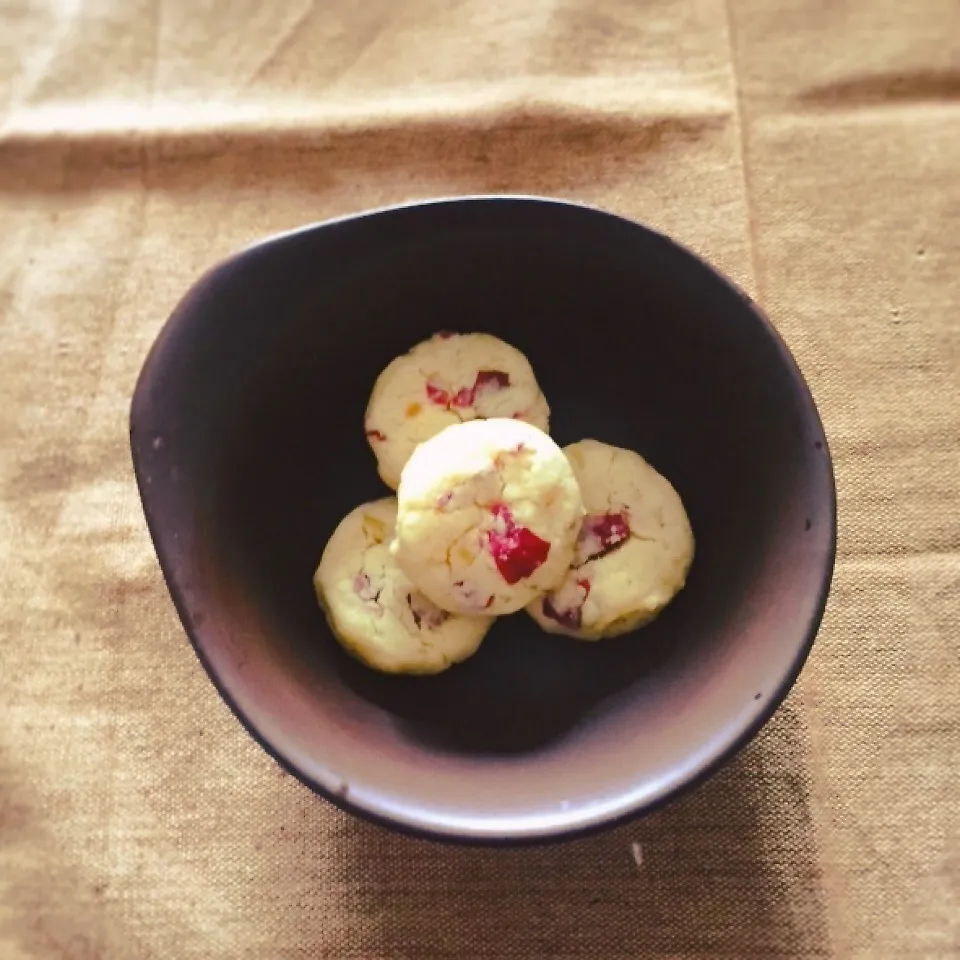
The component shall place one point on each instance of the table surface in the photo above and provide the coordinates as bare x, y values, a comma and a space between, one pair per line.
810, 149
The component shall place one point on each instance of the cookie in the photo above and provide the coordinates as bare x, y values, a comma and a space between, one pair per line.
375, 611
633, 552
450, 378
488, 516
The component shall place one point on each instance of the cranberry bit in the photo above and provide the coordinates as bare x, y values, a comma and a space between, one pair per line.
601, 534
364, 588
517, 551
486, 381
492, 378
571, 618
438, 395
423, 611
446, 334
376, 435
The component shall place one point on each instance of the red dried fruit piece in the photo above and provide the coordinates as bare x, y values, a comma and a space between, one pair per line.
492, 378
365, 589
446, 334
376, 435
601, 534
462, 398
572, 617
467, 396
438, 395
425, 612
519, 554
517, 551
486, 381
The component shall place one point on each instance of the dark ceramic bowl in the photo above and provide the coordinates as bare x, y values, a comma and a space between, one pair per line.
248, 444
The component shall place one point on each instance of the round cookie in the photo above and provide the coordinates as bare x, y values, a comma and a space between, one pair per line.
450, 378
633, 552
374, 610
488, 515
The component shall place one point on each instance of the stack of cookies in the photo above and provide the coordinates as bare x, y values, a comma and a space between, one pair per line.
491, 517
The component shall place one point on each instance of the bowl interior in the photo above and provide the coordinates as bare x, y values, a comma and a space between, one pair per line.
249, 447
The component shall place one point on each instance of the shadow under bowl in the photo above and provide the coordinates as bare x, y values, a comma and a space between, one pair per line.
248, 446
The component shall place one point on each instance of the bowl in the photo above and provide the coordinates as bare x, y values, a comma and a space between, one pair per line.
248, 447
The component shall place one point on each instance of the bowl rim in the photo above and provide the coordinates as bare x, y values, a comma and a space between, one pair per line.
423, 825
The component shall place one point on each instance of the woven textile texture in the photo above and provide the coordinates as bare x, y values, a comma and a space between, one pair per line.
811, 150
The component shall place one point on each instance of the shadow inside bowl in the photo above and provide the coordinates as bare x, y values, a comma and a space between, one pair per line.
521, 692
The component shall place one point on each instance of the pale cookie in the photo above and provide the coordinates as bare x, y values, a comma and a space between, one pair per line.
374, 610
488, 515
633, 552
450, 378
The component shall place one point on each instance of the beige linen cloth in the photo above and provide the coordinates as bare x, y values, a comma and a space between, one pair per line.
810, 149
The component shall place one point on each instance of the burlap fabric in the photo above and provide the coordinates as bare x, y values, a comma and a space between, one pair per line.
809, 149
